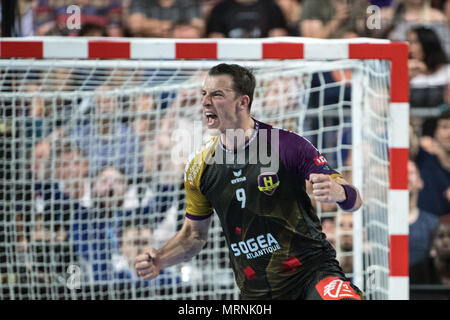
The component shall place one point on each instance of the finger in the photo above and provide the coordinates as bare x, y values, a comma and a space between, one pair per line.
318, 177
323, 199
322, 185
141, 258
321, 192
143, 265
149, 277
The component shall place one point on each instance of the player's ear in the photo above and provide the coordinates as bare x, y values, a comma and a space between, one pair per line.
244, 101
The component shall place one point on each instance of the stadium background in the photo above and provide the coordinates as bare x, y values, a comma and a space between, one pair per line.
297, 18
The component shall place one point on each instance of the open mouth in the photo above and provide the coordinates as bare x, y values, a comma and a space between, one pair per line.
210, 118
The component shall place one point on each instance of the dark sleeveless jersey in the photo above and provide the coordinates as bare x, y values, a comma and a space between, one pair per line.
271, 228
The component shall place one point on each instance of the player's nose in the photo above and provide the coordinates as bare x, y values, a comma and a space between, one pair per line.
206, 100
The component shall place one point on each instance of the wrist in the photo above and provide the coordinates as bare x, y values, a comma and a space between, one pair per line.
350, 198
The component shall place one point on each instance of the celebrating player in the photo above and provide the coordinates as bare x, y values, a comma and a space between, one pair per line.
277, 249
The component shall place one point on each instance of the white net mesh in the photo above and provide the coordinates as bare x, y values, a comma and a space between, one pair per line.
94, 153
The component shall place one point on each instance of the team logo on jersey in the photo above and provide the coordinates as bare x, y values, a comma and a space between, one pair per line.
320, 160
237, 174
268, 182
333, 288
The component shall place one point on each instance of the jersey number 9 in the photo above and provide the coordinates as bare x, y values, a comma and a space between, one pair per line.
240, 196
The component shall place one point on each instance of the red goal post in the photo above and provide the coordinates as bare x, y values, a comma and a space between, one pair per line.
261, 49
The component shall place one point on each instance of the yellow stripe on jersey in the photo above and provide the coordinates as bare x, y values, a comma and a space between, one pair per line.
196, 203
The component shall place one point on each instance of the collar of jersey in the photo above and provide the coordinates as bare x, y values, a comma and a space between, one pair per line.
254, 134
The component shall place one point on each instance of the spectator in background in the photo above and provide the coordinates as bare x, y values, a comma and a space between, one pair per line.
51, 17
429, 69
23, 20
446, 105
105, 139
345, 220
329, 228
70, 168
50, 213
155, 18
386, 13
292, 10
93, 30
445, 8
246, 19
94, 231
280, 96
332, 18
144, 127
412, 13
421, 223
64, 163
181, 130
435, 269
136, 236
434, 167
183, 29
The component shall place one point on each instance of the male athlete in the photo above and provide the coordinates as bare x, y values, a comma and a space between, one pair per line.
277, 249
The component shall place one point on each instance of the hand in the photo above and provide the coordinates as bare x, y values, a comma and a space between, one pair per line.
416, 67
148, 265
326, 189
342, 11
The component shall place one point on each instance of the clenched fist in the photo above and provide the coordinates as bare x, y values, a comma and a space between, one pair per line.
147, 265
326, 189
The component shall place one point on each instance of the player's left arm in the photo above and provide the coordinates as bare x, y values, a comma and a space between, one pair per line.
335, 189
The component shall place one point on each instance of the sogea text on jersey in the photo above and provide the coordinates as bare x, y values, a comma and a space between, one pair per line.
255, 247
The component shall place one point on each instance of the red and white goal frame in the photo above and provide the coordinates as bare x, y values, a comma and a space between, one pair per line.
262, 49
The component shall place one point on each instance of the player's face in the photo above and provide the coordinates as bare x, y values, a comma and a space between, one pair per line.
220, 102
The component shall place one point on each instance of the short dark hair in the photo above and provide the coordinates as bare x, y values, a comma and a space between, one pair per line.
244, 81
444, 116
434, 54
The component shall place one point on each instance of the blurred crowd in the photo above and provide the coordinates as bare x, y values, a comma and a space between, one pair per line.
124, 221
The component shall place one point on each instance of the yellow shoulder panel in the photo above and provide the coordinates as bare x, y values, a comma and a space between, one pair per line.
197, 204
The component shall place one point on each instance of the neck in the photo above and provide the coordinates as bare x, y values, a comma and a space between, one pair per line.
234, 139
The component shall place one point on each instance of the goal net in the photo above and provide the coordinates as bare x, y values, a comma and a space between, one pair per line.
94, 150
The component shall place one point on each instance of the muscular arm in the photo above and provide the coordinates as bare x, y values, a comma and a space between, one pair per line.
331, 190
186, 243
183, 246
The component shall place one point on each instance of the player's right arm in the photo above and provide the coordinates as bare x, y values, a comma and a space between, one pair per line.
182, 247
193, 235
